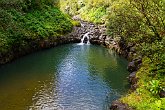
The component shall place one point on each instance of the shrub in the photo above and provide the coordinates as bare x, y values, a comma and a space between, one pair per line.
25, 20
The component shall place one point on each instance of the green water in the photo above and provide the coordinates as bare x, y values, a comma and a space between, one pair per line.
67, 77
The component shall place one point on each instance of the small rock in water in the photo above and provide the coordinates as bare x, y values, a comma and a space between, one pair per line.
117, 105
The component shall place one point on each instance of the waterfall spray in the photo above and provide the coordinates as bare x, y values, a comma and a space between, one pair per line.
83, 38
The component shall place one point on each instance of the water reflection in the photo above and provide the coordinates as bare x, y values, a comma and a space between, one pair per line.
69, 77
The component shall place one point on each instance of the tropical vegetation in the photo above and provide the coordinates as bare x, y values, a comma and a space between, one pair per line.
24, 21
141, 23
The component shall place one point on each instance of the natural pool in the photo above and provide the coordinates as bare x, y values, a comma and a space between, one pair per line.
67, 77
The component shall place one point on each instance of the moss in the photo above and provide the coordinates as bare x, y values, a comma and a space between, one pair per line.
76, 23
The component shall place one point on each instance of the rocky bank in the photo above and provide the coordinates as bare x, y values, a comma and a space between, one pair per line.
98, 36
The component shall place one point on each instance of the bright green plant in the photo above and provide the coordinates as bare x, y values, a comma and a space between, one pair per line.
154, 86
158, 105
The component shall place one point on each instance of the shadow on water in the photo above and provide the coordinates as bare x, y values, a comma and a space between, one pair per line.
68, 77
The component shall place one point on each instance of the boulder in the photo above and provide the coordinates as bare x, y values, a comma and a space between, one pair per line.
162, 94
133, 80
117, 105
134, 65
131, 66
132, 77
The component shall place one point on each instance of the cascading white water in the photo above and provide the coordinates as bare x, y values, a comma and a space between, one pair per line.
85, 36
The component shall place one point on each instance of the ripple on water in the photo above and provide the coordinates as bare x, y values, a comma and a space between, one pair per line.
69, 77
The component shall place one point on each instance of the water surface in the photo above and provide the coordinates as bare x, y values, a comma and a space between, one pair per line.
67, 77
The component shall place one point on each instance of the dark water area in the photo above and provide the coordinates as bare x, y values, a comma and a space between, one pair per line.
67, 77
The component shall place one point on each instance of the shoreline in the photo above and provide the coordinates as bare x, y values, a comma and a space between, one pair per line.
97, 36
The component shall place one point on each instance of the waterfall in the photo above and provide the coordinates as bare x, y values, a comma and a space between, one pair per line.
83, 38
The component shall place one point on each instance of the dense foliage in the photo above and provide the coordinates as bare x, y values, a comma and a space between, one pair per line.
140, 23
89, 10
22, 21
